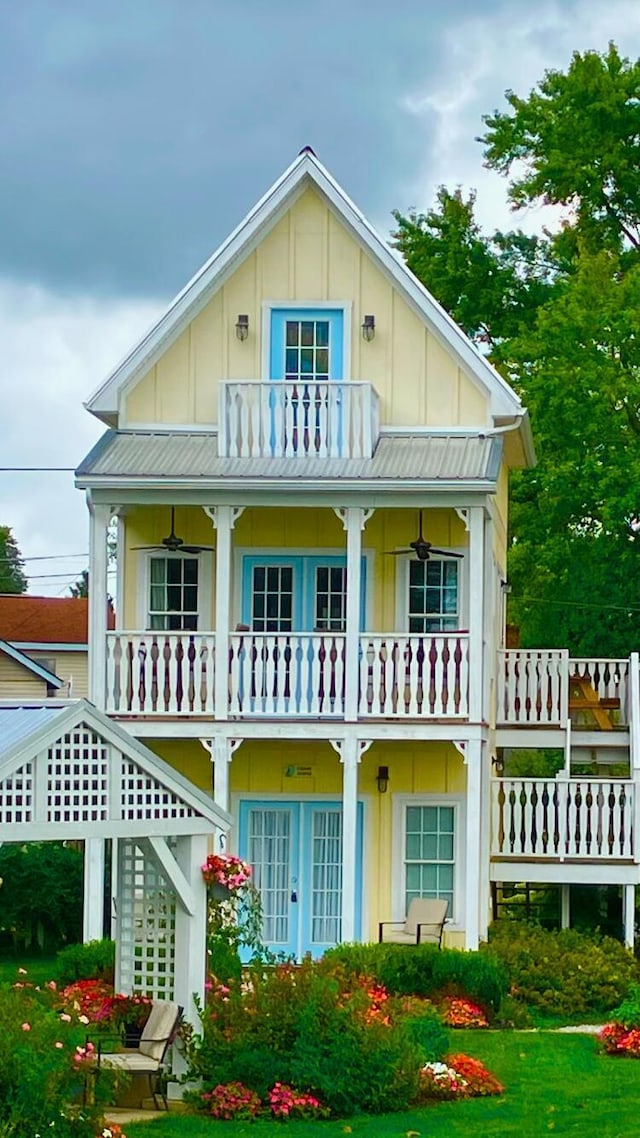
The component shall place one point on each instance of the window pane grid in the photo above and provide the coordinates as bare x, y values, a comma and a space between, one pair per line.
272, 598
430, 853
173, 594
433, 595
307, 350
331, 598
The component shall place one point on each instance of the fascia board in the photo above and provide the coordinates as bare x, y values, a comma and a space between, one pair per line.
104, 401
26, 661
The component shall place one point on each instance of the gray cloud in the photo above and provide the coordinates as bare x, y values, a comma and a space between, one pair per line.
133, 136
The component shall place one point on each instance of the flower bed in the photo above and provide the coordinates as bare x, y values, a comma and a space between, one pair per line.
459, 1076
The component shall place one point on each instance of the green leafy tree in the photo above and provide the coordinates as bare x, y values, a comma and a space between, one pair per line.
81, 587
40, 894
12, 574
558, 316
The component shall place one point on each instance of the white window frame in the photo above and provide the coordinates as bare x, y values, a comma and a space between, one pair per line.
284, 554
345, 306
205, 577
455, 920
402, 592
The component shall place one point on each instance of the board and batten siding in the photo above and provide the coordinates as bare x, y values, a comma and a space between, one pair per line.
309, 256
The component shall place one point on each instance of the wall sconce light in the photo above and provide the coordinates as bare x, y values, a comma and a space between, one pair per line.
242, 326
368, 328
382, 779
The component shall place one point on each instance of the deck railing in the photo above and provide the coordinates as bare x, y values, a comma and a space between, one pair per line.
276, 674
558, 819
160, 673
414, 676
538, 687
289, 420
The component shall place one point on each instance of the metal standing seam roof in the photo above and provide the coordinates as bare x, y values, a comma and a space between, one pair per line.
18, 723
194, 455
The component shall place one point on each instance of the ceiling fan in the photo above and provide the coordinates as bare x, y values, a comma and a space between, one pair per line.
422, 548
174, 544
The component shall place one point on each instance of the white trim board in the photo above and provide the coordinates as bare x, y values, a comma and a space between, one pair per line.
39, 670
304, 171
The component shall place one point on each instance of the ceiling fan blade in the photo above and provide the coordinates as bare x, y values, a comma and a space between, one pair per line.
445, 552
397, 552
142, 547
197, 548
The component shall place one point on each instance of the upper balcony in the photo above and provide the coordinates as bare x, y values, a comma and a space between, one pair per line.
327, 419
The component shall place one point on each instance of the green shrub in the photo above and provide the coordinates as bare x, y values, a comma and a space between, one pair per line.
628, 1013
563, 974
92, 961
41, 895
313, 1027
427, 1030
425, 970
41, 1086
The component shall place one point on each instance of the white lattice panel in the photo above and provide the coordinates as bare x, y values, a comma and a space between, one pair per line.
16, 796
77, 778
143, 796
147, 922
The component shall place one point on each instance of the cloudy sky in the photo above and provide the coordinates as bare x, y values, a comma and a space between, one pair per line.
134, 134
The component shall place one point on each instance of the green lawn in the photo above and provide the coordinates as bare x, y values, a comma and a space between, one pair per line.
559, 1084
39, 969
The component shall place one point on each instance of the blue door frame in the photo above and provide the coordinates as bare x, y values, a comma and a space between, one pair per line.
304, 576
298, 929
277, 345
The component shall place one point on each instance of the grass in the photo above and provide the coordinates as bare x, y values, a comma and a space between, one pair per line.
39, 969
555, 1084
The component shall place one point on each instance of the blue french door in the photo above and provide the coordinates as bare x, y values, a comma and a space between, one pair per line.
295, 849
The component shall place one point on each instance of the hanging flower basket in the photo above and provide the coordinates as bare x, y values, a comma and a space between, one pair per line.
226, 872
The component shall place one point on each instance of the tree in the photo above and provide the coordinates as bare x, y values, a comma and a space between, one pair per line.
81, 587
558, 315
12, 575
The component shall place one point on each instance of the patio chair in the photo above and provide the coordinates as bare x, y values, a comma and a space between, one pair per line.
149, 1057
424, 924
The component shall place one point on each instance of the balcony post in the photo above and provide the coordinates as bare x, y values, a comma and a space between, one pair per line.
629, 914
473, 919
476, 613
224, 519
353, 519
99, 517
350, 751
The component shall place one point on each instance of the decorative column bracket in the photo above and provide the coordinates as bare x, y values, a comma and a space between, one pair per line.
362, 744
463, 514
235, 512
461, 747
341, 514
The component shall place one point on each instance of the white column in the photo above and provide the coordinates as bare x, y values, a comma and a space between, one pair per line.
191, 935
473, 845
349, 751
223, 518
565, 906
93, 908
477, 713
629, 915
98, 523
354, 519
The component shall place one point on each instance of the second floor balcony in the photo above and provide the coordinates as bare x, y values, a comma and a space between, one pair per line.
272, 675
283, 419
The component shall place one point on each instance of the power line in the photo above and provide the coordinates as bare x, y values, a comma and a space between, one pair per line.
576, 604
44, 557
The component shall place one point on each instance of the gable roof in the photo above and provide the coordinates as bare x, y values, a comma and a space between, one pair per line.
45, 674
306, 170
157, 798
45, 620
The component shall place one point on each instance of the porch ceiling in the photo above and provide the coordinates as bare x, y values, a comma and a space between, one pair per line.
67, 771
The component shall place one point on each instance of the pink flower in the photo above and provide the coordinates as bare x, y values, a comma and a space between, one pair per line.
26, 1027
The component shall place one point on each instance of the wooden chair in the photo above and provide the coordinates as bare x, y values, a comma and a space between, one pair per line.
149, 1057
424, 924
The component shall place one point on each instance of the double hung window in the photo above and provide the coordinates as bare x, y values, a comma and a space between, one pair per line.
173, 593
429, 852
434, 595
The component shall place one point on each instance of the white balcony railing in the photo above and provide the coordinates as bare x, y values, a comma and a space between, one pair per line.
160, 673
274, 674
589, 819
290, 420
414, 676
544, 688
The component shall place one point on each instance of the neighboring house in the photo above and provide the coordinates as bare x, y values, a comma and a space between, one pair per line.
47, 635
302, 416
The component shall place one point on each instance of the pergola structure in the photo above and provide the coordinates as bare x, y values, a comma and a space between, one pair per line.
69, 773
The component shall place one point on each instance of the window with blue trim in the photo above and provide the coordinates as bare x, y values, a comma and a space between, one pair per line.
307, 344
297, 594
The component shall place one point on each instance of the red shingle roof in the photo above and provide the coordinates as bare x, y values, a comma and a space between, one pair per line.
45, 620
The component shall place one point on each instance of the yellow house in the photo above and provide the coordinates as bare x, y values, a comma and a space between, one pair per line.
309, 465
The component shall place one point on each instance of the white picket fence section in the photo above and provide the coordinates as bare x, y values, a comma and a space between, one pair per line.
160, 673
275, 674
414, 676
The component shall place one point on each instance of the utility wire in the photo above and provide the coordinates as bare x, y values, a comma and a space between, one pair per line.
45, 557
